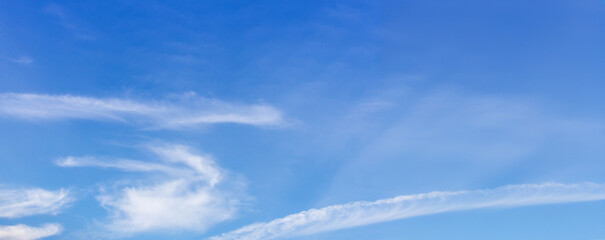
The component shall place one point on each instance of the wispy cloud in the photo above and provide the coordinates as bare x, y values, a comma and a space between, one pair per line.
23, 60
184, 191
363, 213
17, 202
58, 11
188, 110
447, 131
24, 232
121, 164
68, 22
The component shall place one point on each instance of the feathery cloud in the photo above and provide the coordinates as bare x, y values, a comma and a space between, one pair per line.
121, 164
24, 232
184, 191
178, 113
364, 213
16, 202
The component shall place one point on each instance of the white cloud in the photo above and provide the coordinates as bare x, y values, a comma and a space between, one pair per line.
184, 191
186, 111
204, 165
23, 60
24, 232
175, 204
364, 213
122, 164
16, 202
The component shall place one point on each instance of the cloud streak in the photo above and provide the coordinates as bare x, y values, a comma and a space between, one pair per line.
121, 164
26, 202
363, 213
182, 191
23, 60
186, 111
24, 232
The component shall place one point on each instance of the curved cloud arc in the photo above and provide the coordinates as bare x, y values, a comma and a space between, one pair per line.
363, 213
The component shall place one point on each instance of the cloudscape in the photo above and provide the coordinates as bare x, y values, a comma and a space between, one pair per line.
303, 120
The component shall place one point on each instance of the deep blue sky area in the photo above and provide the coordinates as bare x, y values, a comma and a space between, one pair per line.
193, 119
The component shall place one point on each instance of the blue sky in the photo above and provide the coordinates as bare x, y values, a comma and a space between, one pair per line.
302, 120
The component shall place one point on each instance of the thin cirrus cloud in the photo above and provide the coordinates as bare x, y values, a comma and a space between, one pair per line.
17, 202
24, 232
363, 213
183, 191
185, 111
23, 60
445, 132
21, 202
121, 164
